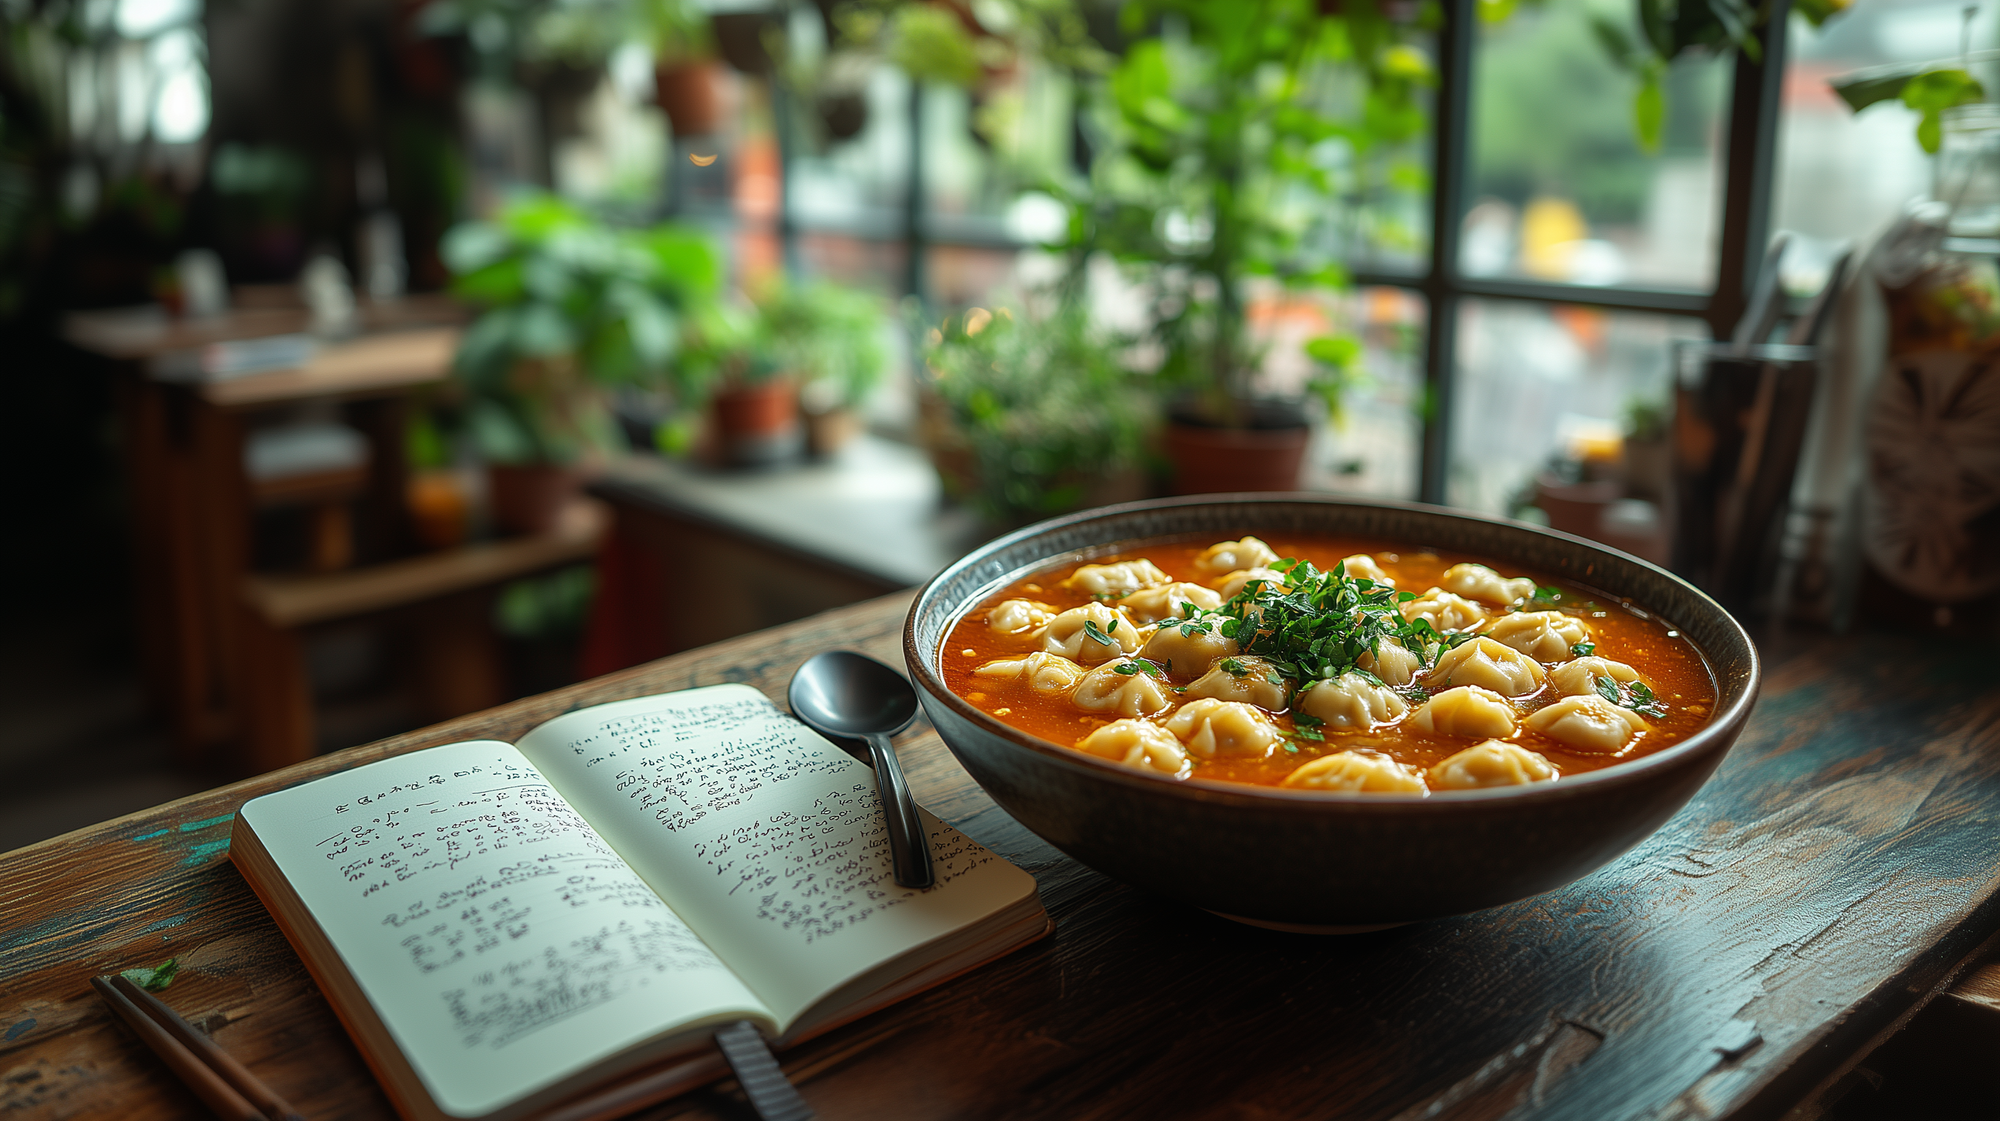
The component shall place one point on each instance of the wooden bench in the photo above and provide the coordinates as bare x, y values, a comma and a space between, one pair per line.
451, 592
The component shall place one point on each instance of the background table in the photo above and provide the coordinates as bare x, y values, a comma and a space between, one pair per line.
1838, 871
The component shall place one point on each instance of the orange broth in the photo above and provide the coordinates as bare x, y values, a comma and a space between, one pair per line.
1622, 632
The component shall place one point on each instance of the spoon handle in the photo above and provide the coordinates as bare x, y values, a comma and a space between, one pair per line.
909, 849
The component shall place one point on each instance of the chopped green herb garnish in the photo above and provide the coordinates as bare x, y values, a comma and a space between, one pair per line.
1138, 665
1091, 632
1113, 628
1310, 734
1314, 625
1233, 667
1547, 595
1583, 649
1275, 680
1638, 696
1646, 703
1307, 720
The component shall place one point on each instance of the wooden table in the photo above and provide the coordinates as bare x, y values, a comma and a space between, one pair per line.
1839, 870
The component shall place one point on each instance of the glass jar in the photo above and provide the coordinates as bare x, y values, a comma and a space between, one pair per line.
1931, 485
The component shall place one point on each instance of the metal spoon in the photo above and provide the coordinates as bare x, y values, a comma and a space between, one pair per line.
841, 693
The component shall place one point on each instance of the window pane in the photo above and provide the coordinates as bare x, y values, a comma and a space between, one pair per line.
1560, 189
1372, 447
1534, 379
1842, 176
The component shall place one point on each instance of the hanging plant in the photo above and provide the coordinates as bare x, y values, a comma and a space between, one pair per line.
1671, 29
1929, 88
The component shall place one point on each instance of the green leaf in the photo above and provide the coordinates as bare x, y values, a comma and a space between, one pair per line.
1933, 92
1583, 649
1860, 93
1607, 688
156, 979
1338, 351
1615, 40
1649, 109
1817, 12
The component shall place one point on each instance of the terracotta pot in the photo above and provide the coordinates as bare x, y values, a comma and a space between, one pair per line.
1209, 460
529, 498
1576, 507
690, 95
759, 423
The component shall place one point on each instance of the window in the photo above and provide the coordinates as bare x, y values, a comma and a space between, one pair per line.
1543, 283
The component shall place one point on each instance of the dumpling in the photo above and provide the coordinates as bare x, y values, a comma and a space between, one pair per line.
1135, 743
1444, 611
1048, 674
1230, 556
1187, 649
1489, 665
1476, 581
1212, 728
1154, 604
1352, 701
1391, 662
1018, 616
1361, 566
1066, 635
1357, 772
1121, 579
1235, 582
1132, 693
1465, 711
1589, 723
1491, 764
1545, 636
1252, 686
1579, 678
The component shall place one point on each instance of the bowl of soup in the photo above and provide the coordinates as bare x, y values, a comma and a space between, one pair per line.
1326, 715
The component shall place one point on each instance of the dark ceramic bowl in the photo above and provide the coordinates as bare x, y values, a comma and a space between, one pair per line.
1319, 861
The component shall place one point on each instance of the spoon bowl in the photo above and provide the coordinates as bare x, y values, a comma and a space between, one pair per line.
842, 693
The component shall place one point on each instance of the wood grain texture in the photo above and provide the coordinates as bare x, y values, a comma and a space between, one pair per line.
1836, 872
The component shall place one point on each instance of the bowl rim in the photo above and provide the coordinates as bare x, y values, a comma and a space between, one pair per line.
1722, 726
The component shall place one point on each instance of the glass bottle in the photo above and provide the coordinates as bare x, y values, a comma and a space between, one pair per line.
1931, 482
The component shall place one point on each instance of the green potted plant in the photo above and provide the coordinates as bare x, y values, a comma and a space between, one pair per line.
1031, 417
829, 338
752, 399
573, 306
1220, 156
687, 75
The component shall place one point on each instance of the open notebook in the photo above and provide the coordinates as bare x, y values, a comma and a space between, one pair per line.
503, 928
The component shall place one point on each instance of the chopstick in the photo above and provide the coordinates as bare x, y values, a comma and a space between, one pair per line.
226, 1085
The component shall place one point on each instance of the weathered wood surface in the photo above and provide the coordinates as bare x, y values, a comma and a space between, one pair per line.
1837, 870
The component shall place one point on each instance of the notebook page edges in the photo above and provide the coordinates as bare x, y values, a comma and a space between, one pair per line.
500, 940
767, 838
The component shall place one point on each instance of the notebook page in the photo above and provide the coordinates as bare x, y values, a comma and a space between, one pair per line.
501, 941
768, 839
